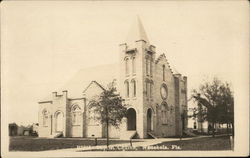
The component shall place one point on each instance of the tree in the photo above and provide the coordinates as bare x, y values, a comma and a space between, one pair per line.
226, 108
218, 99
199, 113
108, 108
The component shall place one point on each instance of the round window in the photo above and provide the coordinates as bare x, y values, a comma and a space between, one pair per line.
164, 91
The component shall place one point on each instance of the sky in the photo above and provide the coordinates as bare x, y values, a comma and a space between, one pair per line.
43, 44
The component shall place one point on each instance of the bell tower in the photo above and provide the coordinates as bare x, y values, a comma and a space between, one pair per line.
137, 57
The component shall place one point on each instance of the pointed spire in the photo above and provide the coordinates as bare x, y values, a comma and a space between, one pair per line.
137, 33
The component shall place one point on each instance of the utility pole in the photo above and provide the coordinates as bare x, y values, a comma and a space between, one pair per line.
107, 124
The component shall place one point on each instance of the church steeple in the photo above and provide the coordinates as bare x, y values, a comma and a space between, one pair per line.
137, 67
137, 33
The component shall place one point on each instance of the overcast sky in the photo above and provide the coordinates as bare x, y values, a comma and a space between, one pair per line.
43, 44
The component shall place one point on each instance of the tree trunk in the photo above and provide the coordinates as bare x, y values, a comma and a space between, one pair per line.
107, 123
213, 130
107, 133
232, 129
227, 129
201, 123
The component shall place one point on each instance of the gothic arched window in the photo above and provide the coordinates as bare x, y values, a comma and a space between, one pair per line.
164, 110
133, 65
134, 87
151, 89
127, 88
150, 66
147, 67
76, 115
148, 90
45, 117
127, 66
163, 72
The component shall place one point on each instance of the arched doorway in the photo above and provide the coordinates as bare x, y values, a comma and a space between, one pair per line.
149, 120
59, 121
131, 118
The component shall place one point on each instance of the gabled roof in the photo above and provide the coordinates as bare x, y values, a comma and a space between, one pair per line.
136, 33
162, 57
101, 75
12, 124
93, 82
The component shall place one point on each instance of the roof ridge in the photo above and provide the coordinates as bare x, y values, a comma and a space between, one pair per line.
161, 56
93, 81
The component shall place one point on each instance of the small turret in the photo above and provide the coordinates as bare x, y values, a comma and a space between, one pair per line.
65, 93
54, 94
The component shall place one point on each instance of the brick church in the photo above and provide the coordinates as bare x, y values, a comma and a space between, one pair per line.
155, 93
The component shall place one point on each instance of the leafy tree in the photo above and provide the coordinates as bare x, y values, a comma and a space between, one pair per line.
108, 108
217, 98
226, 108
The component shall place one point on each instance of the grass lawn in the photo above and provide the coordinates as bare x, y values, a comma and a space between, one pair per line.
208, 143
22, 143
41, 144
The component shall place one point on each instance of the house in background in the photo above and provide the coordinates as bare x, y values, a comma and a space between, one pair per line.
35, 128
13, 129
21, 130
200, 125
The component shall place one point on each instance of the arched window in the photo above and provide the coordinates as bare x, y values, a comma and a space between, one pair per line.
127, 66
163, 72
150, 66
76, 115
127, 88
133, 65
134, 87
164, 117
92, 117
149, 120
164, 108
148, 89
195, 126
45, 117
151, 88
147, 68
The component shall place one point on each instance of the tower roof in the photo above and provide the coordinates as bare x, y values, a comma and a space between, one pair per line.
137, 33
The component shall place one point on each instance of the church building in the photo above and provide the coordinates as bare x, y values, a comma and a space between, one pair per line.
156, 96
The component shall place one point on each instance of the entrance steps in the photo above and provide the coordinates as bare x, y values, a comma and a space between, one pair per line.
56, 135
188, 133
152, 135
127, 135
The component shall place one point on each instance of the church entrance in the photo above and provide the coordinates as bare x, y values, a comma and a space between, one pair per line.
131, 118
59, 122
149, 120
